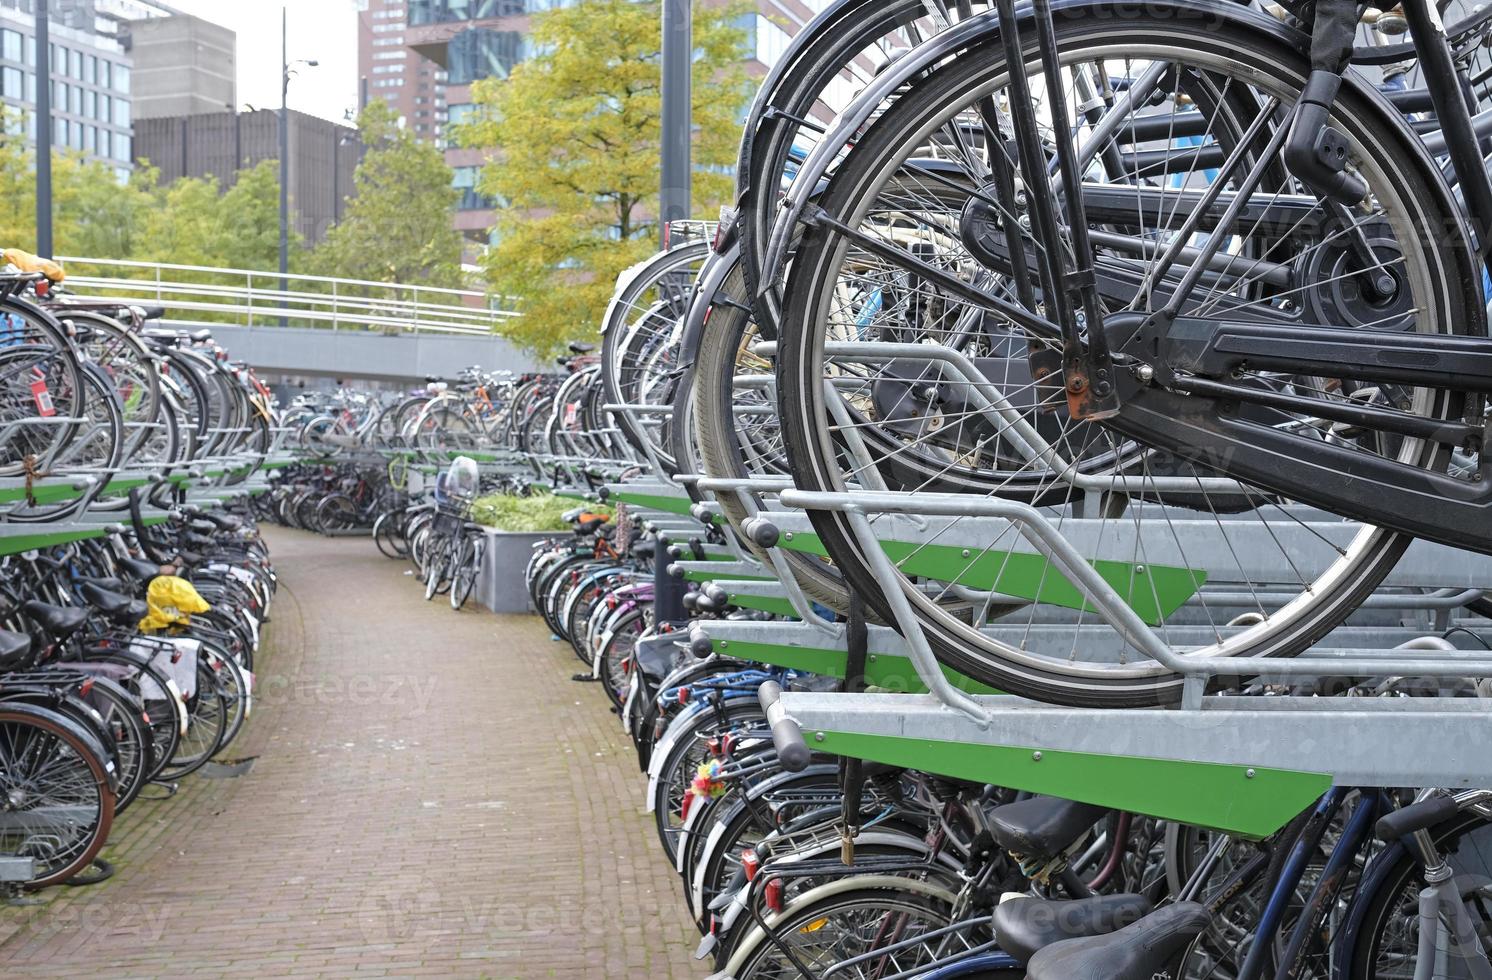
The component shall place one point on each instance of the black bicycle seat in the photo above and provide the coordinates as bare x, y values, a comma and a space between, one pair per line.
1042, 826
58, 622
1137, 952
14, 650
1024, 925
109, 603
139, 568
108, 583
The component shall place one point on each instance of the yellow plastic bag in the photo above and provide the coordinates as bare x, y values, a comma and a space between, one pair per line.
27, 262
172, 601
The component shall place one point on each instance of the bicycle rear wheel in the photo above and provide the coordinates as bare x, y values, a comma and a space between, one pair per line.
1004, 627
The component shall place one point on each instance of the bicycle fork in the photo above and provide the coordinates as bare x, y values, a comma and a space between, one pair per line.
1449, 945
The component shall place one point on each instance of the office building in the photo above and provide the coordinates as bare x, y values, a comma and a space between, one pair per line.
91, 73
184, 66
323, 157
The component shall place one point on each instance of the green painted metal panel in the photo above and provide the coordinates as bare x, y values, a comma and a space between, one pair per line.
1154, 592
707, 575
886, 671
1252, 801
652, 501
771, 604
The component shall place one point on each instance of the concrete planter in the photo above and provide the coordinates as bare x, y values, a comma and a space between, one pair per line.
500, 586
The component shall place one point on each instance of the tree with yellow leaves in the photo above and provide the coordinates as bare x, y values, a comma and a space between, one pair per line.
573, 138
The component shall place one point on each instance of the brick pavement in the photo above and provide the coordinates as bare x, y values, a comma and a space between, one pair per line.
433, 797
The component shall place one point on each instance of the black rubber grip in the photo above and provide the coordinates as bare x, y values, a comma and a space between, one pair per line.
1416, 816
787, 737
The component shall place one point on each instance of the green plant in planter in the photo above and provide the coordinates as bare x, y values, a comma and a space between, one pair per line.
540, 512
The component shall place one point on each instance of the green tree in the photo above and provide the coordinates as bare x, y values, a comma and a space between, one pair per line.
400, 226
573, 136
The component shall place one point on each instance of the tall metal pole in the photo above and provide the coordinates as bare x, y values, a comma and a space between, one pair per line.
284, 155
43, 131
678, 51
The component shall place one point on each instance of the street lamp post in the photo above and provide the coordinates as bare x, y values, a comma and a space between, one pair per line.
678, 50
285, 73
43, 132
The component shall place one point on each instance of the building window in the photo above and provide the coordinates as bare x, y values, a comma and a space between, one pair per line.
75, 101
446, 11
31, 87
11, 83
481, 53
121, 143
30, 50
122, 114
10, 45
75, 64
121, 79
765, 41
465, 180
90, 104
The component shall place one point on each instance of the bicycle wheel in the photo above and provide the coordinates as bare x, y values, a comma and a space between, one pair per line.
336, 513
638, 352
209, 716
823, 933
678, 770
1382, 932
57, 802
42, 396
388, 534
467, 564
615, 654
993, 611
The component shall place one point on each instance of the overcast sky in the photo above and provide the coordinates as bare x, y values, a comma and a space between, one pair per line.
324, 30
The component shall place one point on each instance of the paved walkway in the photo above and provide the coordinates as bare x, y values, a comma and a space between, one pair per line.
432, 796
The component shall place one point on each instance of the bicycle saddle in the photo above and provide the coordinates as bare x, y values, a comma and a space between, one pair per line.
188, 557
1136, 952
139, 568
1043, 825
108, 602
14, 650
1024, 925
108, 583
58, 622
581, 347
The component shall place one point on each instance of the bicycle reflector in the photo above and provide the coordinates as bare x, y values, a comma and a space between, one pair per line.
772, 895
750, 863
683, 695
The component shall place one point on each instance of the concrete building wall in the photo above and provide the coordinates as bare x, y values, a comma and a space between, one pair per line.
184, 66
323, 157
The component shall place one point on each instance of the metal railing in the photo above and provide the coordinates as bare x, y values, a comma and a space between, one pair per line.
205, 296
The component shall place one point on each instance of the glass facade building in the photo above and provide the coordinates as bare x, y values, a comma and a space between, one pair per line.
90, 83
